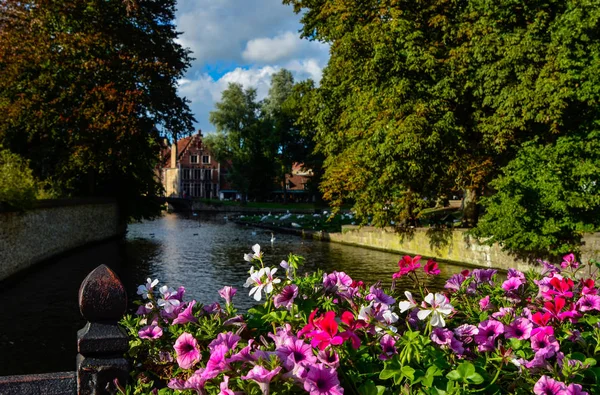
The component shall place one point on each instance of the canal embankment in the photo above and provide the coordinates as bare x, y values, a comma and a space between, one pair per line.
446, 244
54, 227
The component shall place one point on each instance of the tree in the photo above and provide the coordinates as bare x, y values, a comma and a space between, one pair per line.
243, 140
422, 97
82, 86
282, 110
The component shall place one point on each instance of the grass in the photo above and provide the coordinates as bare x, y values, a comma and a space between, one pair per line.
302, 221
267, 205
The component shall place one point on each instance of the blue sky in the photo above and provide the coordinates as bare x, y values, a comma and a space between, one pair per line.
243, 41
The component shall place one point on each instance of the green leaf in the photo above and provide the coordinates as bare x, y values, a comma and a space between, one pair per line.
369, 388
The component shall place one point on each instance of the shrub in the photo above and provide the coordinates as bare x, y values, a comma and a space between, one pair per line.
18, 187
328, 334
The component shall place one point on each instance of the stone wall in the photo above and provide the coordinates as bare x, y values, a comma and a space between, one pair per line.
53, 227
446, 244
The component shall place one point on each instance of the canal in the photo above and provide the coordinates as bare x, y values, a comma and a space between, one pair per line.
203, 253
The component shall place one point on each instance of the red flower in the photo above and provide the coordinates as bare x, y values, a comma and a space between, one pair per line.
407, 265
431, 268
322, 331
352, 325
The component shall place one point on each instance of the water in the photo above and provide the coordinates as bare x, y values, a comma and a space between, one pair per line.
203, 253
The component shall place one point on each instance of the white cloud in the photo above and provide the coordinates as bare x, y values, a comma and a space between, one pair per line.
271, 49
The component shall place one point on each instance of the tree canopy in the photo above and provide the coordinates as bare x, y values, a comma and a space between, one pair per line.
421, 98
83, 86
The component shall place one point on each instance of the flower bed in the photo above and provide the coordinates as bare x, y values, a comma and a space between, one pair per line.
535, 332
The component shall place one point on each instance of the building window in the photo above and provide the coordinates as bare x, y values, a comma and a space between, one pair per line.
185, 174
196, 190
197, 174
193, 158
205, 159
207, 175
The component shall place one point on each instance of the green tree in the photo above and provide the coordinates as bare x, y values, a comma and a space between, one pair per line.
243, 140
82, 86
422, 97
18, 188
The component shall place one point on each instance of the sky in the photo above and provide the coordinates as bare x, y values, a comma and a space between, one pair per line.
243, 41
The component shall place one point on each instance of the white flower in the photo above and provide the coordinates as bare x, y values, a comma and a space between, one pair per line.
146, 290
407, 304
168, 302
248, 257
439, 308
257, 254
389, 317
365, 313
261, 280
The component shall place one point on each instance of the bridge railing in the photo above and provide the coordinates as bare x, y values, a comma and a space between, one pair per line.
101, 344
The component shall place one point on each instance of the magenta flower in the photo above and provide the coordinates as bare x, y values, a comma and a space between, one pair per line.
407, 265
519, 329
589, 302
512, 284
466, 332
187, 350
569, 261
454, 283
286, 297
575, 389
216, 362
489, 330
337, 282
196, 381
379, 296
543, 338
295, 352
322, 331
548, 386
484, 303
388, 347
431, 268
224, 387
150, 332
186, 315
321, 380
229, 339
329, 357
227, 293
442, 336
514, 273
262, 376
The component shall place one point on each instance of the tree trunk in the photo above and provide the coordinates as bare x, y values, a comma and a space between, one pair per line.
470, 208
284, 191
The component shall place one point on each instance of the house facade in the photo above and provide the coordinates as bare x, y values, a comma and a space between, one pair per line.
189, 170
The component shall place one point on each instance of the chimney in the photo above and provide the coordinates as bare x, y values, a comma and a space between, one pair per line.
174, 155
200, 132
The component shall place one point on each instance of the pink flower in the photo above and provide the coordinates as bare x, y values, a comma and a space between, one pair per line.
295, 352
431, 268
575, 389
484, 303
227, 293
569, 261
489, 330
321, 380
150, 332
589, 302
186, 315
325, 331
187, 350
519, 329
216, 363
286, 297
547, 386
224, 387
229, 339
388, 347
262, 376
407, 265
512, 284
329, 357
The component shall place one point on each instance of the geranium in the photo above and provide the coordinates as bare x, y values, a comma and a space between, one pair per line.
147, 289
439, 307
407, 265
324, 331
431, 268
262, 279
187, 350
407, 304
569, 261
257, 254
168, 301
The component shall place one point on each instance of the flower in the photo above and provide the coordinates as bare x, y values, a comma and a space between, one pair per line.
224, 387
187, 350
454, 283
407, 265
286, 297
321, 380
295, 352
150, 332
227, 293
488, 331
588, 302
569, 261
262, 376
484, 303
548, 386
146, 290
329, 357
322, 331
407, 304
431, 268
257, 254
388, 347
575, 389
229, 339
439, 308
262, 279
379, 296
336, 282
186, 315
519, 329
168, 301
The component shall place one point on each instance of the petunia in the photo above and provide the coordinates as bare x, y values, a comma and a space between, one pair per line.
150, 332
227, 293
295, 352
262, 376
512, 284
329, 357
186, 315
377, 295
575, 389
519, 329
588, 302
442, 336
187, 350
439, 308
431, 268
229, 339
548, 386
388, 347
488, 331
224, 387
286, 297
484, 303
455, 282
321, 380
337, 282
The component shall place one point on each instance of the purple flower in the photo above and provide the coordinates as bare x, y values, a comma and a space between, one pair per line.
548, 386
286, 297
484, 276
262, 376
196, 381
295, 352
489, 330
336, 282
502, 312
186, 315
224, 387
212, 308
227, 293
512, 284
150, 332
466, 332
484, 303
576, 389
329, 357
514, 273
542, 338
388, 347
519, 329
321, 380
589, 302
187, 350
229, 339
548, 268
454, 282
379, 296
216, 362
282, 335
442, 336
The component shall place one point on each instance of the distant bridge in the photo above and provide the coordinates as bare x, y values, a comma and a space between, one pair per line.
176, 203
